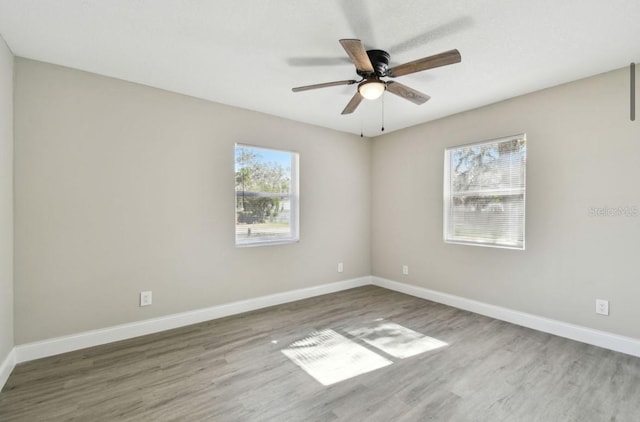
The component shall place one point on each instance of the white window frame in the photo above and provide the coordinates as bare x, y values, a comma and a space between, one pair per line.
294, 202
448, 194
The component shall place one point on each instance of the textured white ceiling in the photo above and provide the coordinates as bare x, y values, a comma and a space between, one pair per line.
250, 53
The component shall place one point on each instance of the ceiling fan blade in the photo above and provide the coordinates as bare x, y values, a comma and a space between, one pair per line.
353, 103
323, 85
407, 93
442, 59
358, 54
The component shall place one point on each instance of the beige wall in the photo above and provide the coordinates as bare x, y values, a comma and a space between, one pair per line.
6, 200
122, 188
583, 151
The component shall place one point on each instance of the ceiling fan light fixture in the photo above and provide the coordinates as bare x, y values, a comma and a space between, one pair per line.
371, 89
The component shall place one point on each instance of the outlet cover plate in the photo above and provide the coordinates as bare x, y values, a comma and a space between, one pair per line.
602, 307
146, 298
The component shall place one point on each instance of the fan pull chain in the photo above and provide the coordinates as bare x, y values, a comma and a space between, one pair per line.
382, 129
361, 135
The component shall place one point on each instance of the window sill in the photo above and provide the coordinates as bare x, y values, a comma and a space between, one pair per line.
266, 243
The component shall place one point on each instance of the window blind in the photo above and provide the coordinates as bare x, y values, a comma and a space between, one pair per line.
484, 193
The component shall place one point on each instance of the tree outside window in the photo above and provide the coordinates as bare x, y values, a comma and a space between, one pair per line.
266, 195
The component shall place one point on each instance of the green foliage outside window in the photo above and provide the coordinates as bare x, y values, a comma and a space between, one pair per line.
261, 187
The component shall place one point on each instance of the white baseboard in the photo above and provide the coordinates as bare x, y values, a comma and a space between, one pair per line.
7, 366
54, 346
628, 345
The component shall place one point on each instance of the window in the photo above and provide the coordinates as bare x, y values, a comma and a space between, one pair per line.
266, 196
484, 193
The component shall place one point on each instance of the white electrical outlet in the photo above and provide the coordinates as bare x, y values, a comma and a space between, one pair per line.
146, 298
340, 267
405, 270
602, 307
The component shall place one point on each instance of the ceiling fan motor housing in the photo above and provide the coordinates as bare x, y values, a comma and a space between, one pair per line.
380, 61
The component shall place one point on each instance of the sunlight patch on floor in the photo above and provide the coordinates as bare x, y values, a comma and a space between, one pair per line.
330, 357
394, 339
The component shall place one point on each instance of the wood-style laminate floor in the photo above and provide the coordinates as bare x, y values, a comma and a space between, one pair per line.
232, 369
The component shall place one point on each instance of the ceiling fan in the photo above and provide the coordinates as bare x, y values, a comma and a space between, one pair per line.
372, 65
